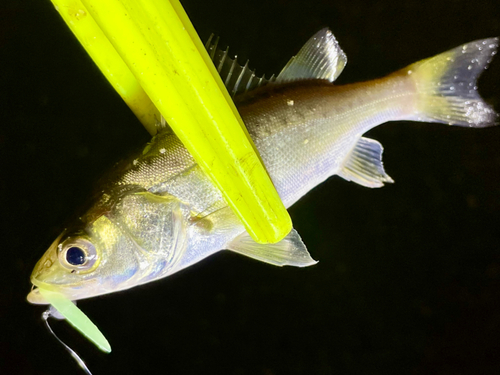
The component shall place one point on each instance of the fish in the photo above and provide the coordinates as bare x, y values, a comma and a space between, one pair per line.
156, 213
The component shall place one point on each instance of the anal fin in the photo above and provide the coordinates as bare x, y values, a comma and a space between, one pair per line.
364, 166
290, 251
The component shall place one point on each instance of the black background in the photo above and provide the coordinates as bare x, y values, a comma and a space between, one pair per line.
409, 275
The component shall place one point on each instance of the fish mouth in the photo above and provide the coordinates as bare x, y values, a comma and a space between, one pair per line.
35, 297
48, 259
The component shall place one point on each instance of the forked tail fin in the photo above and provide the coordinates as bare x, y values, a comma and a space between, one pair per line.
447, 88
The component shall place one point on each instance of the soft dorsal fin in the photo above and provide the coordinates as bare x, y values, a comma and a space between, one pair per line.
237, 79
363, 164
320, 58
290, 251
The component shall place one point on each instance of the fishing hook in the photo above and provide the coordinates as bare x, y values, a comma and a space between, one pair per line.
45, 316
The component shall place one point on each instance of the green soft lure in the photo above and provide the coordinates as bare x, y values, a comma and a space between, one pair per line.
76, 318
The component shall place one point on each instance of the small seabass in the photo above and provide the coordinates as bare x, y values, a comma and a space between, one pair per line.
157, 212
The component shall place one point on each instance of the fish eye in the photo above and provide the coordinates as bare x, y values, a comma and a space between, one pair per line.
77, 254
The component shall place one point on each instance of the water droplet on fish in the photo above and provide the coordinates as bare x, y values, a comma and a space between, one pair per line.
469, 67
409, 72
162, 150
290, 102
135, 162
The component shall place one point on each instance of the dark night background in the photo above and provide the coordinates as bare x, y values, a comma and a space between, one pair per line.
409, 275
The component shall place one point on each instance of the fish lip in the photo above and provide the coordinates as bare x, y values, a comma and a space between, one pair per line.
34, 295
36, 298
70, 291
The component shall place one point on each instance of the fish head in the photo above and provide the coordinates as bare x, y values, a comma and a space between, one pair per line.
140, 240
57, 268
84, 263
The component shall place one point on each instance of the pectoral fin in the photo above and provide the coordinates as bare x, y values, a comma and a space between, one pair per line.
363, 164
290, 251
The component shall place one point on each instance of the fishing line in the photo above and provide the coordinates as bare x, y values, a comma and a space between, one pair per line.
45, 316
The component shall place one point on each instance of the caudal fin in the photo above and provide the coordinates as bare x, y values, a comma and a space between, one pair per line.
447, 87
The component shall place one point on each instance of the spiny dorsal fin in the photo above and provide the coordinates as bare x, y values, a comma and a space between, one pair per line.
237, 79
320, 58
162, 127
363, 164
290, 251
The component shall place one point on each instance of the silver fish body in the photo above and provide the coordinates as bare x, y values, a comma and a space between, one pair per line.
159, 213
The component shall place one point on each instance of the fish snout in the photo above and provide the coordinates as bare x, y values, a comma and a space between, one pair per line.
43, 269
